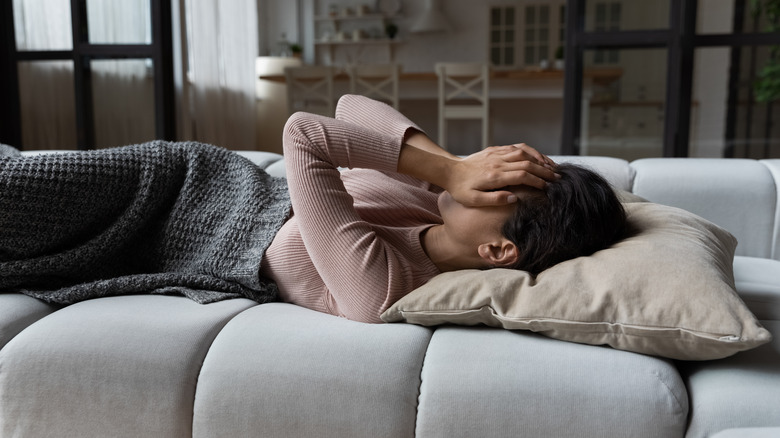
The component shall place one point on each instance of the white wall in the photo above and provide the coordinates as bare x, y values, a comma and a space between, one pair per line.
277, 17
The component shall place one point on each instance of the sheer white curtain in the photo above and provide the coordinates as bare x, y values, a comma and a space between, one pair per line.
221, 48
119, 22
45, 87
122, 90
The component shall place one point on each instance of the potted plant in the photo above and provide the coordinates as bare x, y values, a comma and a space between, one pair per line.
391, 30
767, 85
297, 50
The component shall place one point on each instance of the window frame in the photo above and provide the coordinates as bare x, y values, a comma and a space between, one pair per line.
680, 39
160, 51
555, 33
677, 39
611, 23
503, 44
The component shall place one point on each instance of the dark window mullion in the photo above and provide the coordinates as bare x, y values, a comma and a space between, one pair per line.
624, 39
82, 77
116, 50
734, 77
44, 55
162, 55
10, 109
679, 81
573, 73
737, 39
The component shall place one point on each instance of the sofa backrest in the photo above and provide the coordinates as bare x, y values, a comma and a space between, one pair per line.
615, 170
742, 196
737, 194
272, 162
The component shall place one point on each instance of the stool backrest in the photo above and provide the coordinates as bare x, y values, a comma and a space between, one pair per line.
377, 81
463, 80
310, 89
464, 93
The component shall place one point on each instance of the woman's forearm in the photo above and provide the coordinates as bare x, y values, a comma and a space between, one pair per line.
420, 140
426, 161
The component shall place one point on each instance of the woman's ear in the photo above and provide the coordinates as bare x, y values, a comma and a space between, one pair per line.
498, 254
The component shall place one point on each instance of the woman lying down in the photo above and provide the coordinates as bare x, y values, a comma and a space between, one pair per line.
357, 241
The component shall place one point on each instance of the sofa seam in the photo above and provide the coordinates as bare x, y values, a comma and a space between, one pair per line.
657, 375
419, 387
774, 251
203, 362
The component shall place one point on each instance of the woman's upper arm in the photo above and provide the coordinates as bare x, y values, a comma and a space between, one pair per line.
359, 269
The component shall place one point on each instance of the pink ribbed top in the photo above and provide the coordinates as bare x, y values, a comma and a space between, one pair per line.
353, 246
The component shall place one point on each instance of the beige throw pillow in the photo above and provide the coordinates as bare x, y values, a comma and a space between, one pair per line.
668, 290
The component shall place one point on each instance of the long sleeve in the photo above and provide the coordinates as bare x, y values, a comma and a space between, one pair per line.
364, 268
373, 115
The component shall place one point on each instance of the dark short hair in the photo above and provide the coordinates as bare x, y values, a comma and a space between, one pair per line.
574, 216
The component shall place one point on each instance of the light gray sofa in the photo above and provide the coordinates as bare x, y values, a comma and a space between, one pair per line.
164, 366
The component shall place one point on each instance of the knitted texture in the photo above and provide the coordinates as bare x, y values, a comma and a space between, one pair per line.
173, 218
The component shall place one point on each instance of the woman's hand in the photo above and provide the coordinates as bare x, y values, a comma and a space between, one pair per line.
482, 179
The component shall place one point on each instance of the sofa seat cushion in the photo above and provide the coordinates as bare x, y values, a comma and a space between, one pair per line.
740, 391
119, 366
758, 284
486, 382
287, 371
19, 311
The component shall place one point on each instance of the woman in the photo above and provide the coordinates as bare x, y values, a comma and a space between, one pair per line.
197, 220
361, 239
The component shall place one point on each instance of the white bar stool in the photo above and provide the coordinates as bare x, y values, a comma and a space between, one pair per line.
459, 82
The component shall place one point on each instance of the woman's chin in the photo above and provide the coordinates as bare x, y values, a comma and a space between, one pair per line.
445, 201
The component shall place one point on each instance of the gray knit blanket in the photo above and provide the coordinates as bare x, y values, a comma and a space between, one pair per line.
167, 218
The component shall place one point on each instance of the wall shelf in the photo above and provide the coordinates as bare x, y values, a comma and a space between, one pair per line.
363, 42
365, 17
333, 36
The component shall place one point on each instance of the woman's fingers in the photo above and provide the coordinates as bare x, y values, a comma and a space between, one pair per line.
534, 155
522, 152
485, 177
488, 199
524, 173
527, 178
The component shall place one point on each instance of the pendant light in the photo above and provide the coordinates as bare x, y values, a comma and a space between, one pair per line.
432, 19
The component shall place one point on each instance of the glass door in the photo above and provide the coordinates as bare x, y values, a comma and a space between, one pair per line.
691, 78
81, 74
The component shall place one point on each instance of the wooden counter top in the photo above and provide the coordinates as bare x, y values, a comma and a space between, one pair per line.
601, 75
